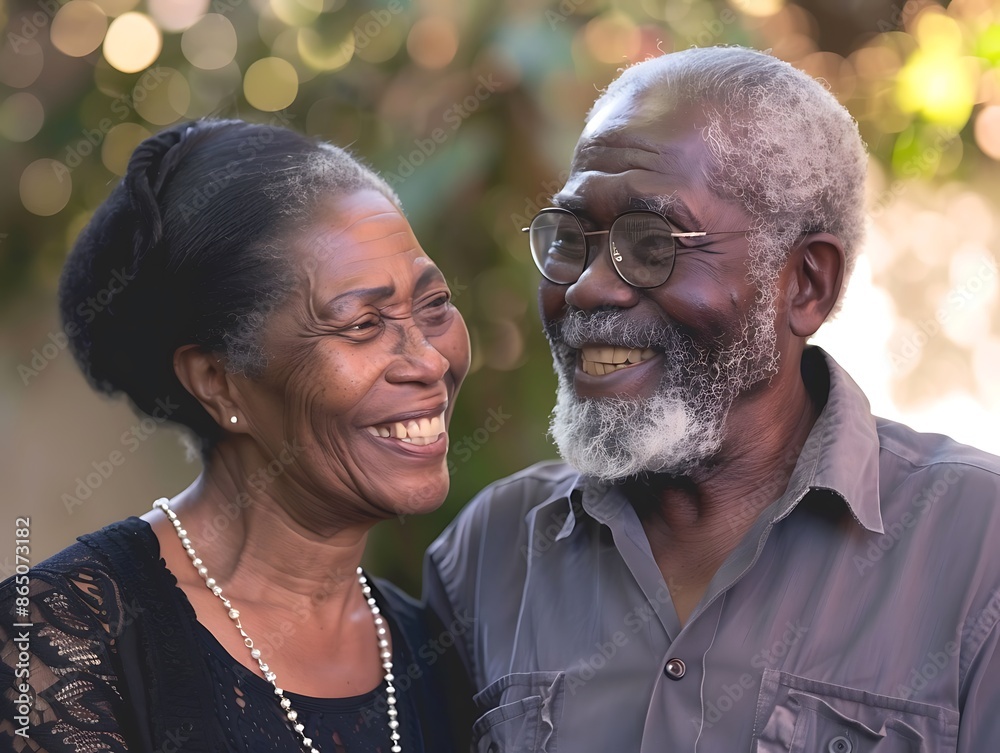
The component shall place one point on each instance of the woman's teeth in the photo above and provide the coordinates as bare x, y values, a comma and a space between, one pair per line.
418, 431
598, 361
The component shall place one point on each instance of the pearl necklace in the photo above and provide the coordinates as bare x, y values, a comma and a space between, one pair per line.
234, 615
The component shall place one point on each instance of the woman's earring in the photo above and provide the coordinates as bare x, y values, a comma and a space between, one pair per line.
232, 420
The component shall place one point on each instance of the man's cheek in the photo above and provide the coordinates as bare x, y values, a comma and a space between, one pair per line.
551, 302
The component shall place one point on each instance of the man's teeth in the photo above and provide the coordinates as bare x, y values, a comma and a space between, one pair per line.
598, 361
419, 431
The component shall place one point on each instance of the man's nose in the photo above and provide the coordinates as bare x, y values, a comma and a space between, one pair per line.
600, 285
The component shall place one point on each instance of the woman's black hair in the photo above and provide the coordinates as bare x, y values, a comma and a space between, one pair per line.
190, 248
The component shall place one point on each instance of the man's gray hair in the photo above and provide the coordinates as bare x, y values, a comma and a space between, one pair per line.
783, 146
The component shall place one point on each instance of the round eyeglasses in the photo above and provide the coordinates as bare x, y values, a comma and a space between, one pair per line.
643, 246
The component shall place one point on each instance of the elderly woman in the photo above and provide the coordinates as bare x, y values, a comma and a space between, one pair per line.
265, 292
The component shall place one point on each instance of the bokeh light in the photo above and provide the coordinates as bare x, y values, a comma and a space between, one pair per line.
987, 131
165, 100
380, 47
116, 7
21, 116
759, 8
21, 62
210, 88
433, 42
78, 28
329, 54
613, 38
45, 187
177, 15
297, 12
211, 43
133, 42
937, 81
270, 84
119, 144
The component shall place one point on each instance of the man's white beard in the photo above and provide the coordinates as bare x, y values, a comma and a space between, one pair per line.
681, 426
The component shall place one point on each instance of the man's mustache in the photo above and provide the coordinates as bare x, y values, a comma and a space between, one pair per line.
611, 326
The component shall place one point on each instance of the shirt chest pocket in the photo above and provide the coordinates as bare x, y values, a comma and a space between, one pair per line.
798, 715
520, 713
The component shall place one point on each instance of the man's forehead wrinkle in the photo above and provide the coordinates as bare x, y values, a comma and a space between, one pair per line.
574, 197
612, 158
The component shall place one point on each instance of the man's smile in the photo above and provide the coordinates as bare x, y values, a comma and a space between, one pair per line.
597, 360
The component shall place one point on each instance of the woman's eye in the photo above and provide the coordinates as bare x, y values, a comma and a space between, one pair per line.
364, 325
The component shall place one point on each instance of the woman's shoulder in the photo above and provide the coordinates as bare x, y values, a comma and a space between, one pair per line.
82, 585
124, 544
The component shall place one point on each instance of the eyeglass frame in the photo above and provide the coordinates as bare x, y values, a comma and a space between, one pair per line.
611, 250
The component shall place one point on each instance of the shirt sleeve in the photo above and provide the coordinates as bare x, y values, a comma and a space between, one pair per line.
450, 630
58, 689
979, 727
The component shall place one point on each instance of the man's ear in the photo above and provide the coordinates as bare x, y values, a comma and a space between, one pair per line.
817, 264
203, 374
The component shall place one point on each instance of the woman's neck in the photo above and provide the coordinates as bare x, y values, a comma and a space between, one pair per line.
256, 550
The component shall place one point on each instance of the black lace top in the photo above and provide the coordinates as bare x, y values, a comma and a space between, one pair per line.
117, 662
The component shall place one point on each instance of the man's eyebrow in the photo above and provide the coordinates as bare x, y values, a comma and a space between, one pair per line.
672, 207
338, 305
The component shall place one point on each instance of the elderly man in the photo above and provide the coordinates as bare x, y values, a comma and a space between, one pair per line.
738, 555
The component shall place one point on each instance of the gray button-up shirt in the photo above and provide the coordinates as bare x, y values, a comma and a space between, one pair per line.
858, 614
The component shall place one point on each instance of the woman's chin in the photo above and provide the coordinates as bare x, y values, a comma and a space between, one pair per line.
421, 498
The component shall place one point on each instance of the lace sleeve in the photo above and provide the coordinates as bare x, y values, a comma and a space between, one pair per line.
66, 659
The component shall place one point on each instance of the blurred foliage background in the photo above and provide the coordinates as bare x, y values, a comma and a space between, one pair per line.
472, 108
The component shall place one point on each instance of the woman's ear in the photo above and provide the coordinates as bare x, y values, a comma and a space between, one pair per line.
818, 264
204, 375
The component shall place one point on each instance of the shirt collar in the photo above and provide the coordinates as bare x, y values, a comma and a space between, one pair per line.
840, 455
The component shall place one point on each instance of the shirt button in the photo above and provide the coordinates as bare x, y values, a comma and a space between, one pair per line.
840, 745
675, 669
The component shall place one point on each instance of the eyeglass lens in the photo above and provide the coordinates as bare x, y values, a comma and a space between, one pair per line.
642, 248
